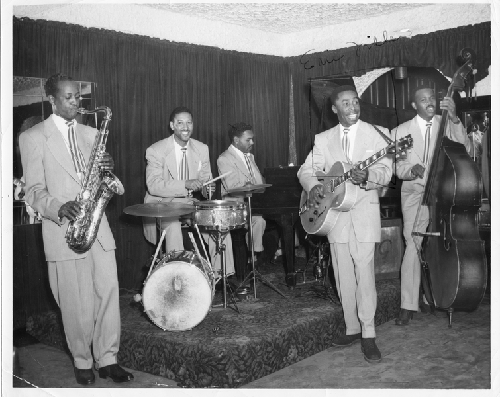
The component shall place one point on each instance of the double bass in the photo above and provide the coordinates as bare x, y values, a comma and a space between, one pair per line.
452, 255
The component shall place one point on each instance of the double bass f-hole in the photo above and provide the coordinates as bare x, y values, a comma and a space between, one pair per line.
445, 233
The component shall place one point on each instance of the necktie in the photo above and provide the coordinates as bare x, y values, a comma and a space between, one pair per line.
427, 142
345, 143
76, 154
184, 170
250, 169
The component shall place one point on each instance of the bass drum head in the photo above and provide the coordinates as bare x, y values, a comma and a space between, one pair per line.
177, 296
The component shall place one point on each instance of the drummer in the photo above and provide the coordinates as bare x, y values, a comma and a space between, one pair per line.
176, 167
238, 159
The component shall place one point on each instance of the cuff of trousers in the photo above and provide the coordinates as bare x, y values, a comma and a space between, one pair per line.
106, 361
83, 364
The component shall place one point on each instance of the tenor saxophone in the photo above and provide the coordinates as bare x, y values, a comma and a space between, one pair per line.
98, 187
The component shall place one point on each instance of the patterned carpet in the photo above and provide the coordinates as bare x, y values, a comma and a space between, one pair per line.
231, 349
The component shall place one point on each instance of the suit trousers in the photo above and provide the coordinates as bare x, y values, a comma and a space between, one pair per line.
258, 228
410, 267
86, 291
353, 267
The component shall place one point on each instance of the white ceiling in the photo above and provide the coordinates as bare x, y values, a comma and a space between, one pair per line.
284, 17
279, 29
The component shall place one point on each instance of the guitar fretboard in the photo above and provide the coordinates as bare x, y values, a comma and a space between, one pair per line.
360, 166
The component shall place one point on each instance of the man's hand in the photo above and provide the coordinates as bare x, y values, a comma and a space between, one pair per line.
359, 176
449, 105
417, 171
70, 210
193, 184
316, 194
106, 162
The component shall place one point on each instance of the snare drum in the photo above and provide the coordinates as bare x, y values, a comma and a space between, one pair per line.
178, 292
220, 215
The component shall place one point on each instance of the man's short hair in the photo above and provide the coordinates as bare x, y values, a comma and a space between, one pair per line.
420, 87
237, 130
52, 82
341, 88
179, 110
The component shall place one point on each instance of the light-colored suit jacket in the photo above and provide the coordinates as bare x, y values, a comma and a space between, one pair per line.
239, 176
162, 179
51, 181
365, 215
456, 132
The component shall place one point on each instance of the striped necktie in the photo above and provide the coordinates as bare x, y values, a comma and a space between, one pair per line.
76, 154
250, 169
183, 169
427, 142
345, 143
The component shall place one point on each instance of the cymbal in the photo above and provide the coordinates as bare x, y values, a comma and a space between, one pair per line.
248, 188
160, 210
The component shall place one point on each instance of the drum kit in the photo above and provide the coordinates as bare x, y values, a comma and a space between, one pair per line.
180, 287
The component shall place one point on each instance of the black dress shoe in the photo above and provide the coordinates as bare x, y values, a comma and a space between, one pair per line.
116, 373
370, 350
425, 308
404, 317
346, 340
84, 376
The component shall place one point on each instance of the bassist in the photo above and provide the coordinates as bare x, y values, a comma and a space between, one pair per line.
352, 239
414, 171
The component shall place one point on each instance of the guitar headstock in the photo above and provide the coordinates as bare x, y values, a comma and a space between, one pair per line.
400, 147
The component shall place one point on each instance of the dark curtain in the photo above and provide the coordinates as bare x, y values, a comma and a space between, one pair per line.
249, 95
438, 50
142, 80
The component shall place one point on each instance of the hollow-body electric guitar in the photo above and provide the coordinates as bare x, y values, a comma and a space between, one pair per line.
339, 193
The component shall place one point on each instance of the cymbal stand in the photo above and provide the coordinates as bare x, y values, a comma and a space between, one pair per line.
255, 273
219, 237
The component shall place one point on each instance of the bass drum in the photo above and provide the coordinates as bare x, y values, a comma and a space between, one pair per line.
178, 292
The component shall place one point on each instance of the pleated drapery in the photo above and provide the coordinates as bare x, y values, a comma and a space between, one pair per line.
438, 49
143, 79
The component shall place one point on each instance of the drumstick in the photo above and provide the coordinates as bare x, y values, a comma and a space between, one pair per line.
216, 179
203, 245
194, 244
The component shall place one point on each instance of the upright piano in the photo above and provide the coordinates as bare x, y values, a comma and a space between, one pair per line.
280, 202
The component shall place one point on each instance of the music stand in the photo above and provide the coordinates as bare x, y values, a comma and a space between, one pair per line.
246, 191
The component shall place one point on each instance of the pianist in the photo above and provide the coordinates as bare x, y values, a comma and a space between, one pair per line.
238, 159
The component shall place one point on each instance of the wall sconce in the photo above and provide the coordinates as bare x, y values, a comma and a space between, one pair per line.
401, 72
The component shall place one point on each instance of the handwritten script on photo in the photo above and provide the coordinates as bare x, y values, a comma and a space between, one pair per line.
309, 61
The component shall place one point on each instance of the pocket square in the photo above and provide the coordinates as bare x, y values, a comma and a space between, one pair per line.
199, 166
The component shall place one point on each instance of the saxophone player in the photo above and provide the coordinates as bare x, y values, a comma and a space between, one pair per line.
85, 285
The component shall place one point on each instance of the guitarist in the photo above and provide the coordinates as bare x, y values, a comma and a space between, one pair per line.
413, 172
353, 237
